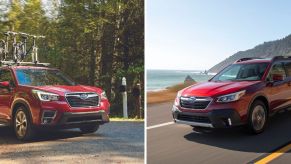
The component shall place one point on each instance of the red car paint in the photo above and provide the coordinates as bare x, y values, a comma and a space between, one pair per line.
276, 94
23, 95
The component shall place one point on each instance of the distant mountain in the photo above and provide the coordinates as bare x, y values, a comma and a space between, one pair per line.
281, 47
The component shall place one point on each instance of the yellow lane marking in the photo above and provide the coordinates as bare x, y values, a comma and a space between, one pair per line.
275, 154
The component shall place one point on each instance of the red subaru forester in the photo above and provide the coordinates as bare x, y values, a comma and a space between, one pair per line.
244, 93
33, 97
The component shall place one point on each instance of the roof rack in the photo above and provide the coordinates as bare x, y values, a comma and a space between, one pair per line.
280, 57
12, 63
245, 59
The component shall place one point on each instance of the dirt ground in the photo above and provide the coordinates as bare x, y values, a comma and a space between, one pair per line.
115, 142
166, 95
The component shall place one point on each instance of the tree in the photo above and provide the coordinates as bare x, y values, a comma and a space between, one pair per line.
94, 42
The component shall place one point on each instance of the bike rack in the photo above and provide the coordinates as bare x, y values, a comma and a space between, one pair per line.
16, 62
12, 63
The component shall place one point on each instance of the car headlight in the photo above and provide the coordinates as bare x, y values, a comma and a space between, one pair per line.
46, 96
177, 99
179, 94
231, 97
103, 95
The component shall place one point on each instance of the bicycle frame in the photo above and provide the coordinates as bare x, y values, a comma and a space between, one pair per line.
5, 45
34, 48
22, 46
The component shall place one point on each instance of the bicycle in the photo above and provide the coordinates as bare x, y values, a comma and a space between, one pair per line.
4, 46
34, 48
21, 54
15, 46
18, 50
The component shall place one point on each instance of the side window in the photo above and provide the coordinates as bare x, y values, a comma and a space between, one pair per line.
277, 69
288, 68
5, 75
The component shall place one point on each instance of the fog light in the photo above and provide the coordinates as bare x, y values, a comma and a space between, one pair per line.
174, 109
48, 116
229, 121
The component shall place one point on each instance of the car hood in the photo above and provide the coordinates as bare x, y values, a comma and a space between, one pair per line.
62, 89
209, 89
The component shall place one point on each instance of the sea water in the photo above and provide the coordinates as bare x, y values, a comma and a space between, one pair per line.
161, 79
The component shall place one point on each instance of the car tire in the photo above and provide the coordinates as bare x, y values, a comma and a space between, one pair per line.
89, 128
23, 124
257, 119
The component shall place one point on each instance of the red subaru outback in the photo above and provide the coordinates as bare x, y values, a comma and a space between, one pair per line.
37, 97
244, 93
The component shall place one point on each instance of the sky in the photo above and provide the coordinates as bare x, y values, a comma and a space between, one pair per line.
197, 34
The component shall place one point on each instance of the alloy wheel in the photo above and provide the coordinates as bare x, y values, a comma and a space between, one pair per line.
21, 123
258, 117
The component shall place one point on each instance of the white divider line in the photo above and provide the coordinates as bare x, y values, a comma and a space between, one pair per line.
160, 125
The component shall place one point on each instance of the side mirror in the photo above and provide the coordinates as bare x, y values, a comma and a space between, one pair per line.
4, 84
278, 77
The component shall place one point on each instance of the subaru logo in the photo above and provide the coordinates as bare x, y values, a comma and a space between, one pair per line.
84, 96
192, 99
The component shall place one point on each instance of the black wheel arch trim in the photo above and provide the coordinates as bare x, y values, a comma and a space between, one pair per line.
22, 102
255, 98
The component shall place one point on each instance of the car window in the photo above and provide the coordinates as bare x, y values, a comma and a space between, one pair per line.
42, 77
230, 73
6, 75
287, 66
277, 69
242, 72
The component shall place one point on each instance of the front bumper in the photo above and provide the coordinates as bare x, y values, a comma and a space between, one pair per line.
219, 118
78, 119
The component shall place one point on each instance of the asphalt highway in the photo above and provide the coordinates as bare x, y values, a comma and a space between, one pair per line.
175, 143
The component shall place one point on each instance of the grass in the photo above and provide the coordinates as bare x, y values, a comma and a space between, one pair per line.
166, 95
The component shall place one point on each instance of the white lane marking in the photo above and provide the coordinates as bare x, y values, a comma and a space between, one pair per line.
160, 125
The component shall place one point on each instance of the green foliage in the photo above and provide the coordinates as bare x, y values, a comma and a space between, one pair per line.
95, 42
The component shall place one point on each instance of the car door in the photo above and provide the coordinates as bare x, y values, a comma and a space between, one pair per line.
6, 94
279, 90
287, 66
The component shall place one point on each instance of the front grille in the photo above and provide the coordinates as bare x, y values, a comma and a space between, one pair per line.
197, 103
82, 99
191, 118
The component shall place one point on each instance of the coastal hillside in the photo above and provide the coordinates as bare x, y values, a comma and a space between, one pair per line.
281, 47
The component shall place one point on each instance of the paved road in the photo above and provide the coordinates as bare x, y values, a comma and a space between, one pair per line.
116, 142
176, 143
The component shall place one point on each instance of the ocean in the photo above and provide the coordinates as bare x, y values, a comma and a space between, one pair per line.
160, 79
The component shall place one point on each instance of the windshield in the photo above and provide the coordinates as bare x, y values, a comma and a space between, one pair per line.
242, 72
41, 77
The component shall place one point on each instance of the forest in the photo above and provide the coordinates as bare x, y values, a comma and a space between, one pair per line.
95, 42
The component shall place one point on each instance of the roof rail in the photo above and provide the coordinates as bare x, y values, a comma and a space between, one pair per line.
12, 63
280, 57
245, 59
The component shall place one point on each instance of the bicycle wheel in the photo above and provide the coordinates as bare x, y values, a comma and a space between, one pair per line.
14, 54
2, 49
